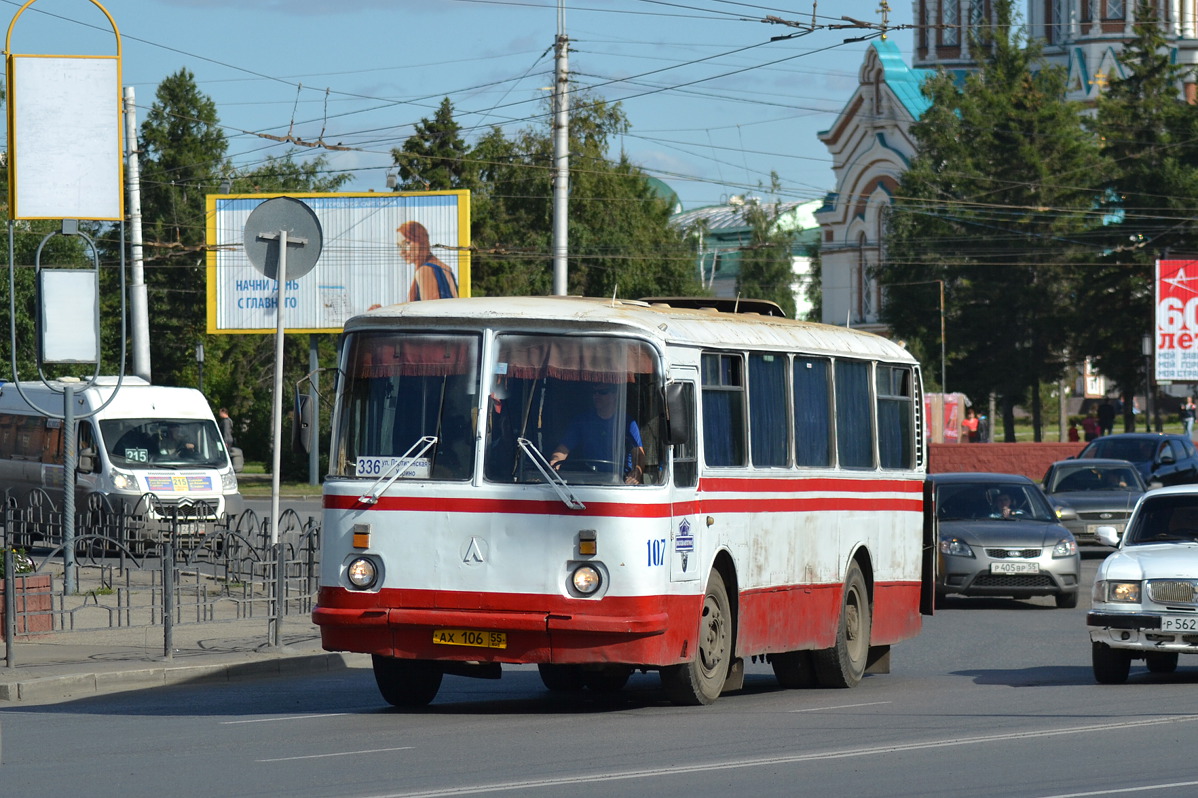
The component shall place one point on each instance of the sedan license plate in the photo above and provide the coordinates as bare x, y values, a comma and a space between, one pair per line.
1014, 568
1178, 623
469, 637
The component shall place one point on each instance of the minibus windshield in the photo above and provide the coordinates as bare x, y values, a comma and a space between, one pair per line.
170, 443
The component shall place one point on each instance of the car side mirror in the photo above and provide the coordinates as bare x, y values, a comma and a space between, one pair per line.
85, 463
1167, 459
1107, 536
1066, 513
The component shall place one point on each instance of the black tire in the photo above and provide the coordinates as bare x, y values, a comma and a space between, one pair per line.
701, 680
1067, 601
1161, 662
1111, 665
561, 678
794, 669
406, 682
843, 665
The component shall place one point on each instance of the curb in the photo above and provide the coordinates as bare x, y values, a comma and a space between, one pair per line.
48, 688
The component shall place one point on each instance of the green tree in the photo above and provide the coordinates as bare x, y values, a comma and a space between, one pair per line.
994, 205
766, 270
620, 237
1150, 135
434, 158
183, 159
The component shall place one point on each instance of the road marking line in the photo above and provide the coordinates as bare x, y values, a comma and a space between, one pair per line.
340, 753
843, 706
1126, 789
592, 778
276, 720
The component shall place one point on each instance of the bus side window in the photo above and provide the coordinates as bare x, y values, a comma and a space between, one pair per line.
686, 466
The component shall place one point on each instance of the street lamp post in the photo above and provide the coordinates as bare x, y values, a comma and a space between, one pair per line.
1146, 350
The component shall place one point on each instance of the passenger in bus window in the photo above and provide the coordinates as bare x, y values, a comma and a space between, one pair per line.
594, 436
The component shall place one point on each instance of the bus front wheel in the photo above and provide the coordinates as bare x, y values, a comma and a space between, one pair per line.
701, 680
843, 665
406, 682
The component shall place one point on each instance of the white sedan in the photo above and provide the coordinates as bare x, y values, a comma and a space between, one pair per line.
1145, 600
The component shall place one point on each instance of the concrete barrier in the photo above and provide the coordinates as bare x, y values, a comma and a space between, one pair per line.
1029, 459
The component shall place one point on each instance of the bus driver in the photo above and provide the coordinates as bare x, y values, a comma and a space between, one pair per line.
592, 436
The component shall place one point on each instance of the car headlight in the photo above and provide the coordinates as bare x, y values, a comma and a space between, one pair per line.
362, 573
956, 548
586, 579
123, 480
228, 481
1066, 547
1120, 592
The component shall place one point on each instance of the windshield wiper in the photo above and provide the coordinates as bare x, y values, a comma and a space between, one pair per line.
398, 467
555, 480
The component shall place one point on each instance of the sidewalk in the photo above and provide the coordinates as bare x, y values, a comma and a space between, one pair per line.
66, 665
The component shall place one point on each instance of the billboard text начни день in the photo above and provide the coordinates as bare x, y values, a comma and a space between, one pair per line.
1175, 343
379, 249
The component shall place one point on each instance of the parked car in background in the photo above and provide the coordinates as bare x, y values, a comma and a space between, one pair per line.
999, 536
1145, 596
1164, 458
1091, 493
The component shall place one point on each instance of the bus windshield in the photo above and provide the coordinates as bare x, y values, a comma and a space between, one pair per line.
591, 406
400, 388
140, 443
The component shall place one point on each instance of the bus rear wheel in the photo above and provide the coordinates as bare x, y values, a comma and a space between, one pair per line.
843, 665
701, 680
406, 682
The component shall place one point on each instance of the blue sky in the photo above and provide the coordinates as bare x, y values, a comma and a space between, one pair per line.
714, 105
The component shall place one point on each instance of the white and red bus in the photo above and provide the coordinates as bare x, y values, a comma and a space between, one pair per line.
600, 486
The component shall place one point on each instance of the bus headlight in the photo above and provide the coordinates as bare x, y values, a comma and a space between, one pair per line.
586, 580
362, 573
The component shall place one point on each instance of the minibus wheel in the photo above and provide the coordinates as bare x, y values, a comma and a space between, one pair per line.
406, 682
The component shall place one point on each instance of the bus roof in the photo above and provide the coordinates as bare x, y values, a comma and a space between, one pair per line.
680, 326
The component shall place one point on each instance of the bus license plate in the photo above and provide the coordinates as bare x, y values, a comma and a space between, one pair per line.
1014, 568
1174, 623
469, 637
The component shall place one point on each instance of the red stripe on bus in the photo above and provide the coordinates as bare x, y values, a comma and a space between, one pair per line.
630, 510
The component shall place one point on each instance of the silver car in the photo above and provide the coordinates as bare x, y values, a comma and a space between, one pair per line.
1092, 493
999, 536
1145, 597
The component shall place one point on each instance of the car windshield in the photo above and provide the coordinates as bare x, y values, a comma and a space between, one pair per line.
1164, 519
1094, 478
998, 501
1135, 450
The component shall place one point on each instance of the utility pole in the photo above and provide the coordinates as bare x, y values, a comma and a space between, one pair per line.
138, 301
561, 153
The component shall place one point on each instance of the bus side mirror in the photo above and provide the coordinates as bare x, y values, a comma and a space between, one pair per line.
679, 419
301, 427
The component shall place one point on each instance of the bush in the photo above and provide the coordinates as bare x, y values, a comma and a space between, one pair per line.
22, 564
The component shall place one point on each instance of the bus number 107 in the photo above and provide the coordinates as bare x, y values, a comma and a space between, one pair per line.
656, 551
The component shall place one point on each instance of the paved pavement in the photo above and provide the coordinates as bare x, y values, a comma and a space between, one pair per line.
65, 665
234, 643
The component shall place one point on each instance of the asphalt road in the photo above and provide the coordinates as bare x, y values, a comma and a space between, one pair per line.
995, 698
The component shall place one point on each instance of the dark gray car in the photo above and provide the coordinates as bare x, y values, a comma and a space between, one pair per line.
1092, 493
999, 536
1160, 457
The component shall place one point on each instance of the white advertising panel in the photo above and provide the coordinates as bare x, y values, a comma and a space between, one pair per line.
379, 249
1176, 338
65, 138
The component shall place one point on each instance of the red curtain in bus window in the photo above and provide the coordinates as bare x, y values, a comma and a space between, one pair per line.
416, 356
576, 359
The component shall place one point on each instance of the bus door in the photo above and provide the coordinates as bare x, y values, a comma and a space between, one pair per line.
686, 516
